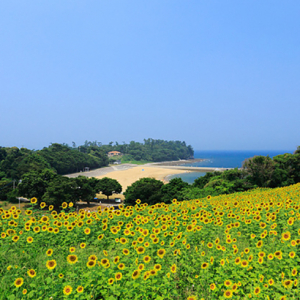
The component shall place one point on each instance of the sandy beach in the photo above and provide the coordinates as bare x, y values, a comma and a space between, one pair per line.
129, 176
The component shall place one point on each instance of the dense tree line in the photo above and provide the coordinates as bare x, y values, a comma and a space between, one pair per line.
65, 159
54, 189
150, 150
153, 150
61, 159
152, 191
39, 171
258, 171
15, 162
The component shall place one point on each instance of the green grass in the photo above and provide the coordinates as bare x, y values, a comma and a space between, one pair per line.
136, 162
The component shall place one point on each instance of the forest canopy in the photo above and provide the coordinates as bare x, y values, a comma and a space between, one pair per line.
150, 150
65, 159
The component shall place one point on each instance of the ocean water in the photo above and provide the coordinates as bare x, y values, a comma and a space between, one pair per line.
223, 159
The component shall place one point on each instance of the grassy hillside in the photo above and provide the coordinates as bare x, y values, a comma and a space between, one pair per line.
239, 246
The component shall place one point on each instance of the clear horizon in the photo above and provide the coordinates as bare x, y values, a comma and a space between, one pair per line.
195, 150
217, 75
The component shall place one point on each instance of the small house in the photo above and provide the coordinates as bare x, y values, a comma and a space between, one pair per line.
114, 153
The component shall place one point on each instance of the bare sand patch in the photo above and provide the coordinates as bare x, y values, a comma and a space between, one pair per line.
128, 177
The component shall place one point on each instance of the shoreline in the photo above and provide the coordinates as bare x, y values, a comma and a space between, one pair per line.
167, 178
177, 162
127, 174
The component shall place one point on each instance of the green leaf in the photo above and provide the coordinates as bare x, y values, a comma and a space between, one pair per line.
30, 294
48, 280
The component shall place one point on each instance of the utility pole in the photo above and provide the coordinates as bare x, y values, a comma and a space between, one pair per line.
14, 184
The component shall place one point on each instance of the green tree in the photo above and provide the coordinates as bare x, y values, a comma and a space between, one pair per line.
148, 190
5, 187
32, 162
238, 178
213, 188
217, 183
15, 162
86, 188
35, 183
196, 193
95, 184
108, 186
152, 150
201, 181
287, 169
2, 153
172, 190
220, 186
60, 189
260, 170
68, 160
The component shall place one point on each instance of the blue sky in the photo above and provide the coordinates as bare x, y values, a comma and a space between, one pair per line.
220, 75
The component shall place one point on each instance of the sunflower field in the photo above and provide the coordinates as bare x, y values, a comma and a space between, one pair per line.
238, 246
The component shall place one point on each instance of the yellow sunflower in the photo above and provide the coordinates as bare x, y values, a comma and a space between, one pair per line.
147, 259
161, 253
286, 236
257, 290
204, 265
49, 252
126, 251
228, 294
51, 264
67, 290
227, 283
15, 238
118, 276
33, 200
140, 250
72, 259
31, 273
135, 274
29, 239
19, 282
87, 230
93, 257
173, 268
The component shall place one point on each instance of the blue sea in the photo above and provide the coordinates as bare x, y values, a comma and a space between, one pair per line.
223, 159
